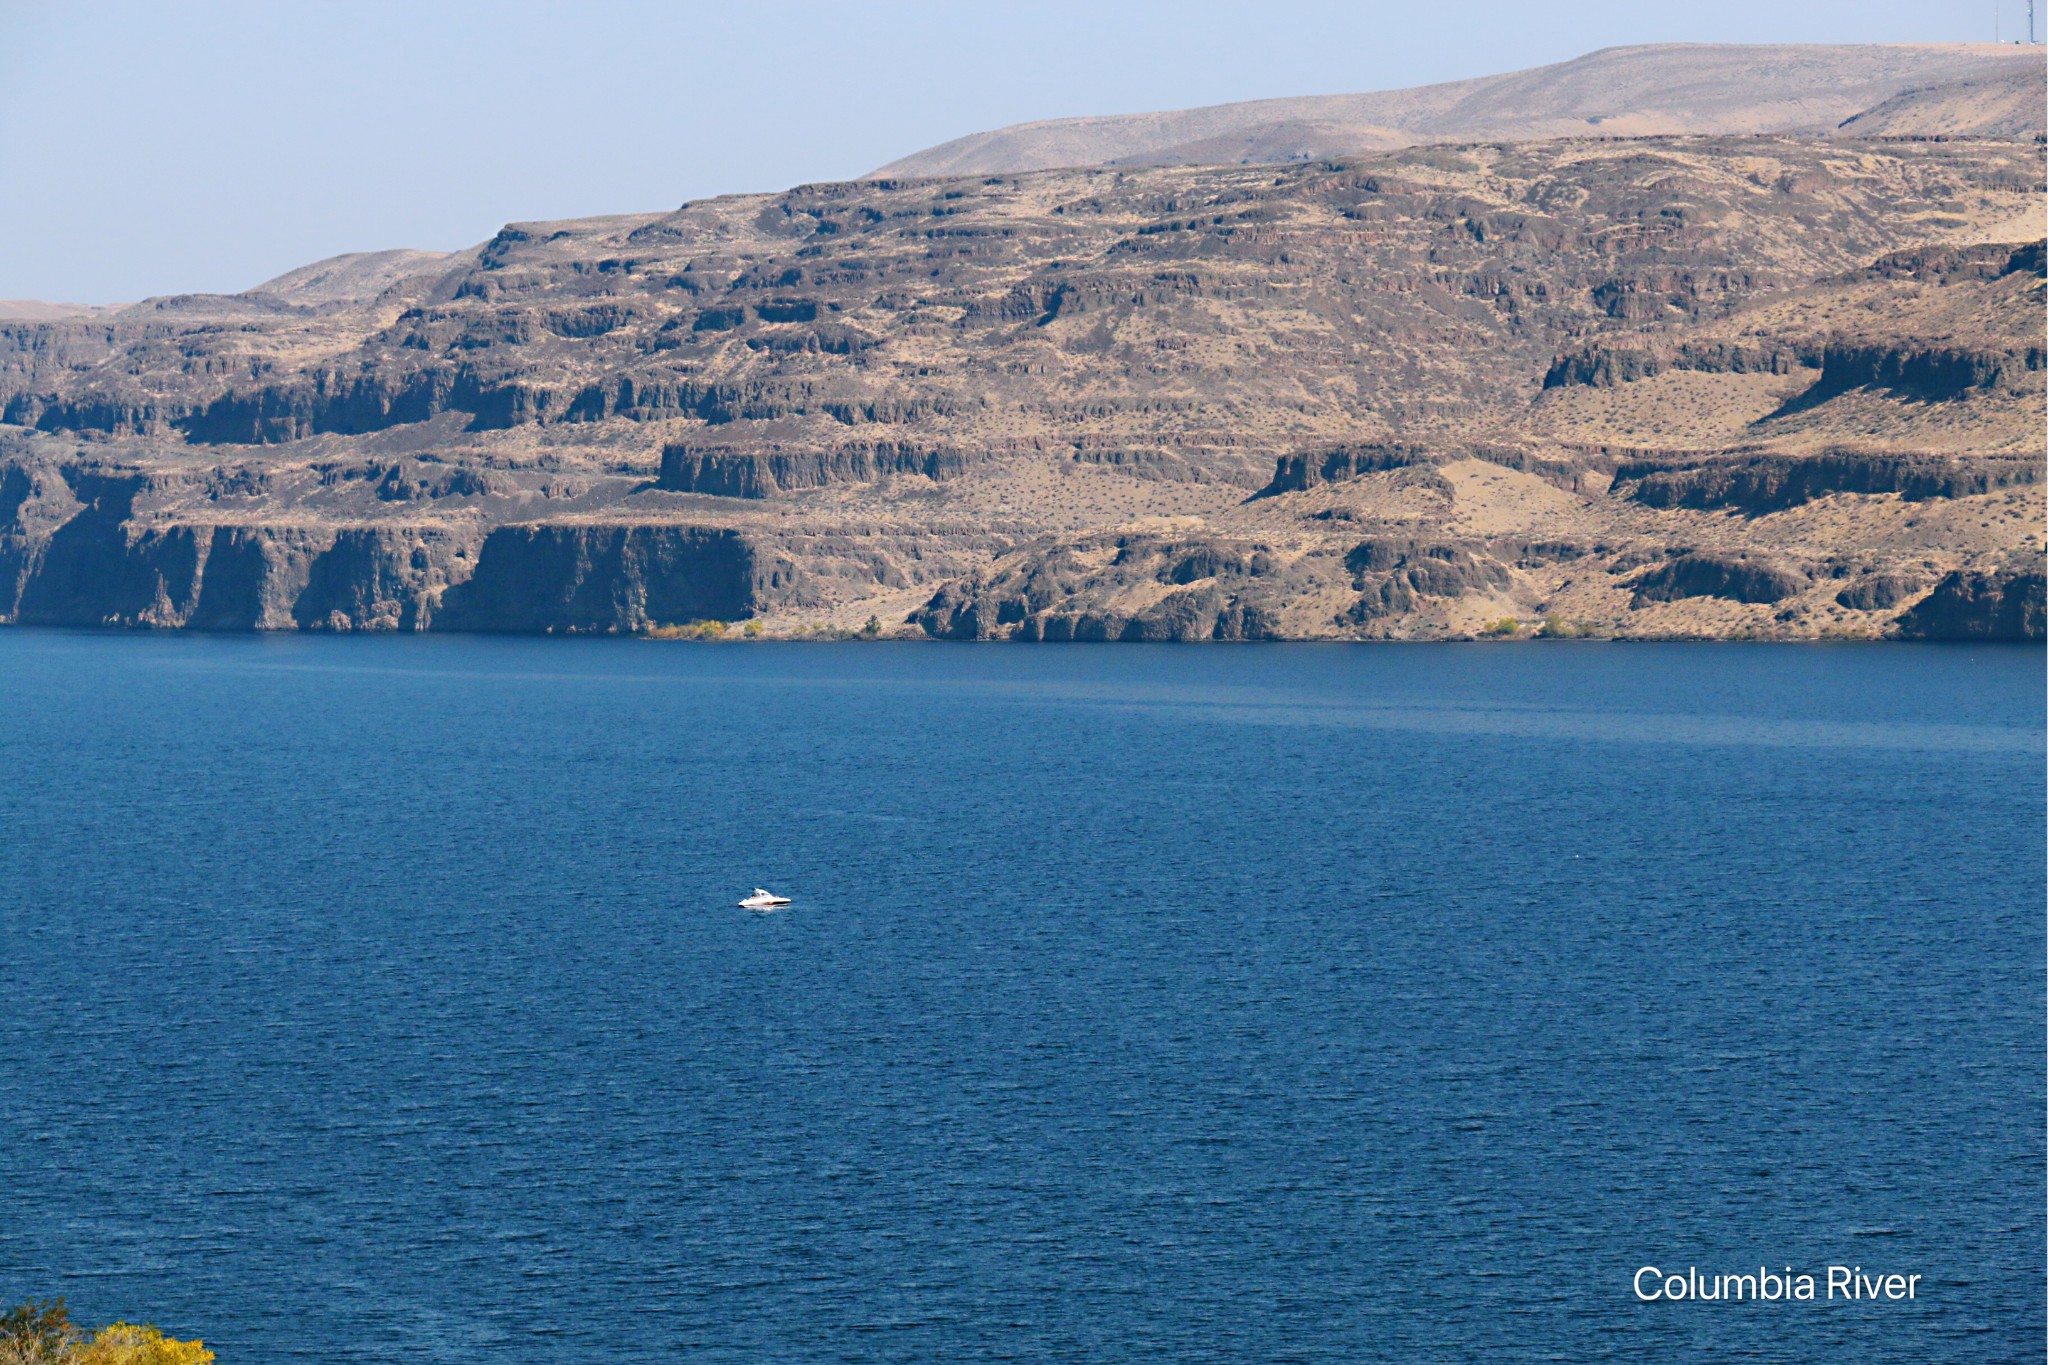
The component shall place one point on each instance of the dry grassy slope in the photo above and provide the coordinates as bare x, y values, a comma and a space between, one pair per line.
1625, 91
1703, 388
1043, 404
39, 310
2005, 104
356, 277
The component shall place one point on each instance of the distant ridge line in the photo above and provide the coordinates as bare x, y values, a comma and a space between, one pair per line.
1658, 90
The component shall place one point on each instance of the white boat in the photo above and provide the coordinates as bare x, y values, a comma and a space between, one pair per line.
763, 900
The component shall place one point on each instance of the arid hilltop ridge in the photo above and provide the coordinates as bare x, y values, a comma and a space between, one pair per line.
1665, 89
1730, 386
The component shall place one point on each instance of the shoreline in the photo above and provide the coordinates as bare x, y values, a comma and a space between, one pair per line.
907, 637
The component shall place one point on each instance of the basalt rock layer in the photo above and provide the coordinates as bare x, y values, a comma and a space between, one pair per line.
1713, 387
2001, 604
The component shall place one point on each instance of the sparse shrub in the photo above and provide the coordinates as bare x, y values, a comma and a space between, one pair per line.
43, 1334
1507, 625
752, 630
695, 630
1557, 628
128, 1344
872, 629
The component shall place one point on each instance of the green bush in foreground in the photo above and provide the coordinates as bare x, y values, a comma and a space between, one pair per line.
43, 1334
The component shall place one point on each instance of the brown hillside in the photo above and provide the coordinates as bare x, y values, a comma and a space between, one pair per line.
1667, 89
2006, 104
1719, 386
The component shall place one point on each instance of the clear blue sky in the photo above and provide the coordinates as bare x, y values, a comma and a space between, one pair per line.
150, 148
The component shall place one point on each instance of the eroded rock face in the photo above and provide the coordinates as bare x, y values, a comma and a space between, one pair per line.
1930, 373
1738, 578
606, 579
1309, 469
75, 550
2002, 604
1408, 395
1193, 615
1773, 483
235, 577
728, 473
1603, 364
1211, 591
1395, 576
1879, 592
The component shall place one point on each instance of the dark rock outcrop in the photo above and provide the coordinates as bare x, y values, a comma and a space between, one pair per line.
1192, 615
414, 483
75, 550
1310, 469
84, 570
1995, 604
574, 578
1307, 469
1737, 578
1878, 592
99, 569
1603, 365
375, 578
1393, 576
255, 578
1978, 261
1928, 373
723, 472
1760, 484
324, 401
1056, 593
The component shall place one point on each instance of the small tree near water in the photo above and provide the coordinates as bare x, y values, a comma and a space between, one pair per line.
36, 1333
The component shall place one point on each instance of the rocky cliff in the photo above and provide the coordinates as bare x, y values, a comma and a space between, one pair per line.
1738, 386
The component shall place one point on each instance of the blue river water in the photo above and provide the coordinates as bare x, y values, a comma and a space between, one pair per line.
385, 999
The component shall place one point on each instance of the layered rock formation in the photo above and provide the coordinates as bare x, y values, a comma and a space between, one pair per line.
1742, 386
